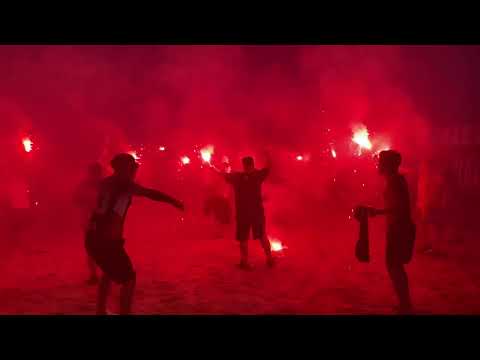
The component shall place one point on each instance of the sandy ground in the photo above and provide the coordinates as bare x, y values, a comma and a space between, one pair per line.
199, 276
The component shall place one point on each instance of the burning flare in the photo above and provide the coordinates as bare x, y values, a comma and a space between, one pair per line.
134, 154
27, 144
334, 153
162, 148
185, 160
276, 245
299, 157
206, 153
360, 137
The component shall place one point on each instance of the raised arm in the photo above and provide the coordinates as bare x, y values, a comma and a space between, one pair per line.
268, 165
229, 177
156, 195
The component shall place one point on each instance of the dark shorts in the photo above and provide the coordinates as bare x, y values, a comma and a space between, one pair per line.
111, 257
256, 224
400, 243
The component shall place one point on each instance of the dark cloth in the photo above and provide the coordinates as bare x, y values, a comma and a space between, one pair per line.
248, 192
255, 223
110, 256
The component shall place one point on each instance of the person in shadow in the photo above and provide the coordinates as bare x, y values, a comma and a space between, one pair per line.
249, 210
104, 240
400, 231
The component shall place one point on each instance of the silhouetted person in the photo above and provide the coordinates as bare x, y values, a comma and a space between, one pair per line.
249, 211
85, 199
400, 234
104, 242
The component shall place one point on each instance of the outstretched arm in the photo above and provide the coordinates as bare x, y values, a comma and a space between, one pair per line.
268, 165
157, 196
229, 177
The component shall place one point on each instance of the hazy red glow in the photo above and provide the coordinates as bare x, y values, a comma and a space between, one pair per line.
299, 104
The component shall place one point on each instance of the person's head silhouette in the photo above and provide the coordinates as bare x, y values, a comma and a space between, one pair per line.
248, 164
388, 162
124, 166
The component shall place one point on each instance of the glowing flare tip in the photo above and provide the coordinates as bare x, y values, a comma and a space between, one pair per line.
135, 155
206, 153
276, 245
27, 144
360, 137
185, 160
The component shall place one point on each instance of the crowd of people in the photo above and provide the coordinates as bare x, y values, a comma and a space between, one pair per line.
105, 203
102, 203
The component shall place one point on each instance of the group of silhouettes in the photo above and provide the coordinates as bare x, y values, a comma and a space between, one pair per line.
105, 202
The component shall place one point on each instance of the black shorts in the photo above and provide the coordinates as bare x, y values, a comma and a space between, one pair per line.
256, 224
400, 243
111, 257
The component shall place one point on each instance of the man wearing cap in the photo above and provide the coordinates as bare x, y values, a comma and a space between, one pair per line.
104, 241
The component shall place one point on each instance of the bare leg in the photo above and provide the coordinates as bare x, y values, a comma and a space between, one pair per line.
102, 295
92, 268
267, 249
126, 297
398, 275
